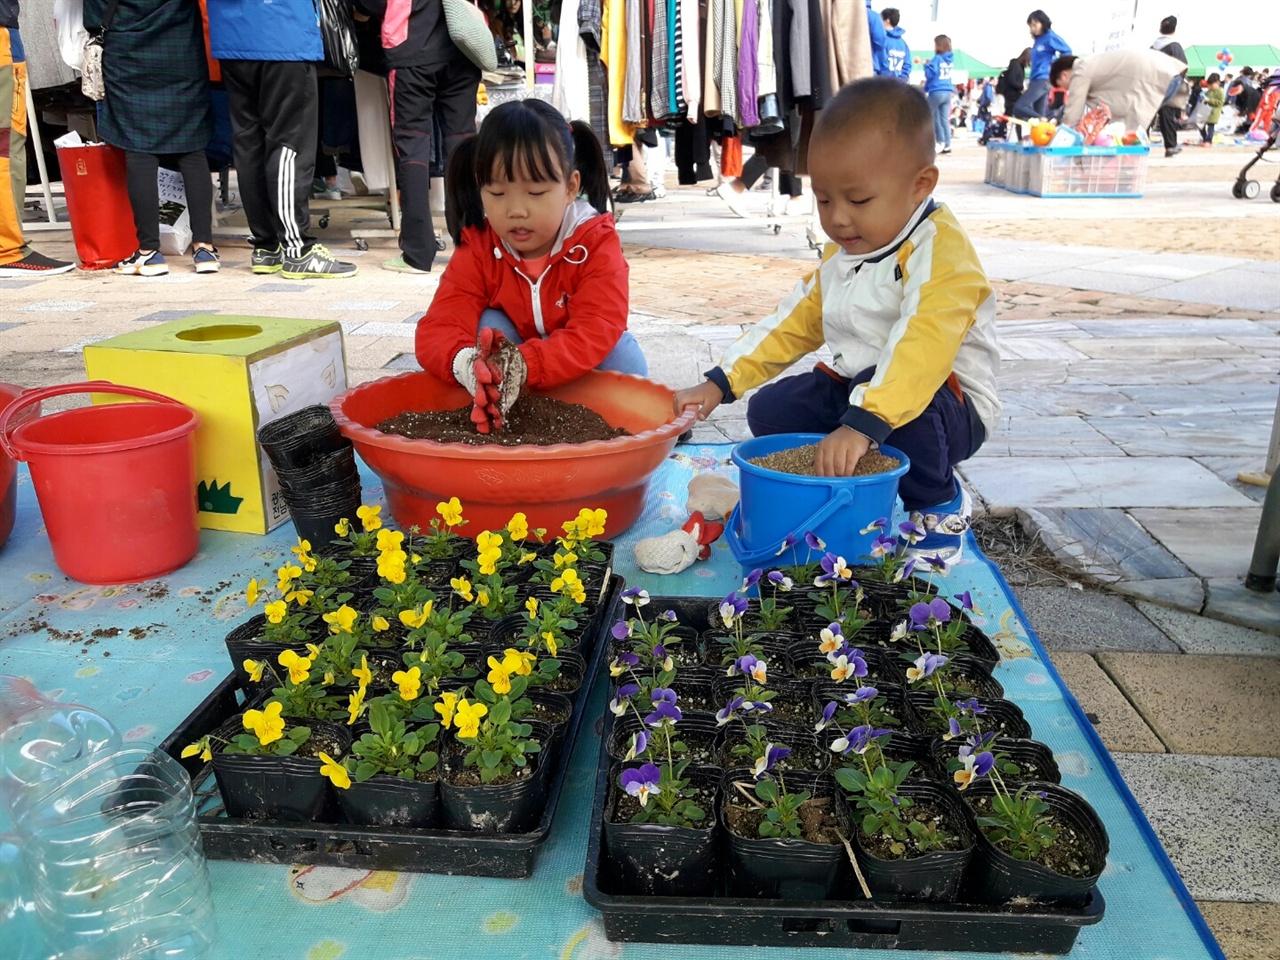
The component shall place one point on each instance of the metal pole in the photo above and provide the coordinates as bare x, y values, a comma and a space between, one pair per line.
1266, 548
38, 143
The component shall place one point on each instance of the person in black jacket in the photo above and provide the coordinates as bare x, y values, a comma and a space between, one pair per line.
1011, 84
1168, 115
428, 75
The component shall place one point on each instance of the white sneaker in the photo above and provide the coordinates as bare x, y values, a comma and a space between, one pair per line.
143, 265
734, 200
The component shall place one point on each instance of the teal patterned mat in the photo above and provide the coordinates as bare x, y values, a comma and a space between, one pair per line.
146, 655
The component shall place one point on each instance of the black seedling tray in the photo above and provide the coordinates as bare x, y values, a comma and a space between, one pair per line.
844, 924
454, 852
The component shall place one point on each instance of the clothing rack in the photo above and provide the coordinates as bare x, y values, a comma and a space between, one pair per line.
46, 190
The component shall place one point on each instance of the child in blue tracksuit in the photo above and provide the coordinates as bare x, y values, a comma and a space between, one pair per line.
897, 53
1046, 47
875, 31
939, 89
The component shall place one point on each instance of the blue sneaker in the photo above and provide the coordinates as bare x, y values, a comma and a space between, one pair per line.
143, 265
943, 528
205, 260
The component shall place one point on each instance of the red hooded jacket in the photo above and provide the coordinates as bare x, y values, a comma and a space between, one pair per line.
571, 317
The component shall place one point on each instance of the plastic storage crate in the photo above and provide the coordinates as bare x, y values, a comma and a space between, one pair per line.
1009, 165
1068, 171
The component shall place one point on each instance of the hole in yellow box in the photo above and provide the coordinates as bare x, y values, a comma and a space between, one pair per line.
224, 331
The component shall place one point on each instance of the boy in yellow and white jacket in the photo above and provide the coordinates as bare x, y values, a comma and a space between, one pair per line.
902, 302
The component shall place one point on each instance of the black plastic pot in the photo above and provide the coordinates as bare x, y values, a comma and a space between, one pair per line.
1034, 759
931, 877
824, 691
883, 666
546, 704
775, 648
999, 878
330, 468
275, 788
792, 702
1002, 716
508, 631
780, 868
496, 808
684, 645
317, 511
438, 573
245, 643
699, 733
663, 861
299, 439
385, 801
975, 672
813, 756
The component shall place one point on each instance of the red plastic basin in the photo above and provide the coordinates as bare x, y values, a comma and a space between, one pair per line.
548, 484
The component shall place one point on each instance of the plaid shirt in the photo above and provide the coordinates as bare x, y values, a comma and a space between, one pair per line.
590, 14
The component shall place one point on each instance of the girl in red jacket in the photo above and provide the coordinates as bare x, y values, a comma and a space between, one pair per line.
533, 259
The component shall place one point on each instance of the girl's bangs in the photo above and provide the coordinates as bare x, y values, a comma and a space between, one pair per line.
516, 148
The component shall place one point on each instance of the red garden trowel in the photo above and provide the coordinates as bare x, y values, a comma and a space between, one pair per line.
500, 373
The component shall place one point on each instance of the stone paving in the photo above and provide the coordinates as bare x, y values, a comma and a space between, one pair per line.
1137, 385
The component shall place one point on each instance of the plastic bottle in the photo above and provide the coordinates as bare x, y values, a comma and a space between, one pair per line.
105, 858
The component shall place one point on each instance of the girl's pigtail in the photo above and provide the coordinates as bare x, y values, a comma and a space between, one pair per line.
463, 205
588, 160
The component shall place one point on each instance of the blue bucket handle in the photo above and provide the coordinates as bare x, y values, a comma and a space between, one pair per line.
842, 498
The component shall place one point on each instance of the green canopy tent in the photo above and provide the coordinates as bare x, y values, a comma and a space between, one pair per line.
1202, 59
976, 69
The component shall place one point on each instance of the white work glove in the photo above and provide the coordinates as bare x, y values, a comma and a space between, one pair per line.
494, 373
713, 495
677, 550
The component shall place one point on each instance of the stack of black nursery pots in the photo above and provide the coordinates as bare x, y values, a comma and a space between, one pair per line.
316, 466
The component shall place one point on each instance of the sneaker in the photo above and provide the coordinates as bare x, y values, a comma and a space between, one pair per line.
400, 265
944, 529
316, 264
320, 190
206, 260
1173, 151
735, 201
263, 260
945, 150
35, 264
143, 265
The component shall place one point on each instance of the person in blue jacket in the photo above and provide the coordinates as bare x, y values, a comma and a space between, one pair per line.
896, 50
269, 51
1046, 47
939, 89
879, 57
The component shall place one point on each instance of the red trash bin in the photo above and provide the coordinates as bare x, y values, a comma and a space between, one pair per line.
93, 177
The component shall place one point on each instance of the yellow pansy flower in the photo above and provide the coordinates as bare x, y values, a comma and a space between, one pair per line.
550, 640
391, 566
445, 706
389, 540
251, 591
341, 620
369, 518
355, 704
362, 673
489, 561
579, 595
462, 587
287, 574
527, 558
518, 526
302, 550
313, 651
380, 625
254, 669
201, 747
413, 619
409, 681
488, 541
299, 596
482, 597
335, 771
343, 527
299, 667
566, 582
468, 716
276, 610
532, 606
566, 559
266, 724
450, 511
519, 662
499, 676
592, 521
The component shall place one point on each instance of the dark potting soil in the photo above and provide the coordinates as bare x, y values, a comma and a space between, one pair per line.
702, 748
626, 806
1071, 855
550, 714
698, 698
470, 776
879, 845
791, 711
799, 461
322, 740
803, 756
817, 821
535, 420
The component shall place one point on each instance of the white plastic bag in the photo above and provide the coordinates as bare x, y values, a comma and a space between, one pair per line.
68, 21
175, 221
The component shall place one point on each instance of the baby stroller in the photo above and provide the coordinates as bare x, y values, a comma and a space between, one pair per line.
997, 128
1244, 188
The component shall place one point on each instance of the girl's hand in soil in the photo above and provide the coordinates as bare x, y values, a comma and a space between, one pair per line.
706, 396
839, 452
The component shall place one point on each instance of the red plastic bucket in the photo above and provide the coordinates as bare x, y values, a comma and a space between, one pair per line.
116, 482
9, 469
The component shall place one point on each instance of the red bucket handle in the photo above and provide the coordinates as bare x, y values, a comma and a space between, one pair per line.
44, 393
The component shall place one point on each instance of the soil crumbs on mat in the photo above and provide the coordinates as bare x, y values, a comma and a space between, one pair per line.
540, 421
817, 821
799, 461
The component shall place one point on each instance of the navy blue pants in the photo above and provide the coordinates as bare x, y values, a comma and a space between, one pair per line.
946, 433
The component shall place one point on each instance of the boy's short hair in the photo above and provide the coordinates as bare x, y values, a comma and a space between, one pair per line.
1168, 25
898, 109
1060, 66
1213, 78
891, 14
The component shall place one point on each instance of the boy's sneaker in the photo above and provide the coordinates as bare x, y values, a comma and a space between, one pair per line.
143, 265
266, 259
401, 265
35, 265
316, 264
944, 528
205, 260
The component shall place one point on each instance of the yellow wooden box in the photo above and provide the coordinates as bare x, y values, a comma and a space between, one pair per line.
238, 373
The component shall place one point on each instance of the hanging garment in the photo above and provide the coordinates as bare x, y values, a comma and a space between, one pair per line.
711, 103
848, 41
632, 98
748, 50
693, 152
614, 59
690, 63
731, 157
660, 63
726, 58
674, 70
766, 72
571, 93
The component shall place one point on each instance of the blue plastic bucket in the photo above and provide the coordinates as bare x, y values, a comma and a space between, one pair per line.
777, 505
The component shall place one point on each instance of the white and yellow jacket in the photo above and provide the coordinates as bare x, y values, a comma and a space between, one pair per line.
919, 310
